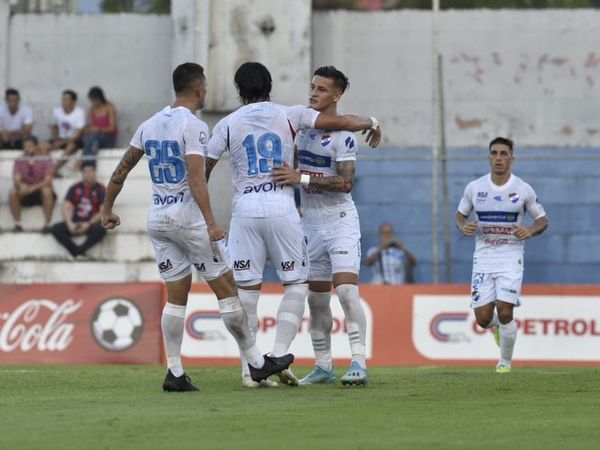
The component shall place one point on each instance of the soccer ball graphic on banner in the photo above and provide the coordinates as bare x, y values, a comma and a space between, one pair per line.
117, 324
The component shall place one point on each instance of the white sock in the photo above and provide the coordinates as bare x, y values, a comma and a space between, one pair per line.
321, 324
356, 321
172, 323
494, 322
508, 336
236, 322
289, 317
249, 301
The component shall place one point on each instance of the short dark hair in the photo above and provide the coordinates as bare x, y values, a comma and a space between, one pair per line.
30, 138
339, 79
504, 141
11, 91
88, 163
71, 93
185, 75
253, 82
98, 93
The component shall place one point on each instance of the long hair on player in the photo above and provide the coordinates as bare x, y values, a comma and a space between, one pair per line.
253, 83
186, 75
339, 79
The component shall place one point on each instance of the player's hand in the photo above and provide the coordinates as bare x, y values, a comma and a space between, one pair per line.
521, 232
216, 233
286, 175
110, 220
373, 137
470, 228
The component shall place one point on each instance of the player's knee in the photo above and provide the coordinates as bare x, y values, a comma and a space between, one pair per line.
505, 316
483, 322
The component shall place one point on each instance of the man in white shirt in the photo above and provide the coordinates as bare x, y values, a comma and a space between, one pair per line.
16, 121
265, 223
500, 201
181, 224
68, 123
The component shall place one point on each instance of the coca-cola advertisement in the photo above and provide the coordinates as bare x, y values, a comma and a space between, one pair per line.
80, 323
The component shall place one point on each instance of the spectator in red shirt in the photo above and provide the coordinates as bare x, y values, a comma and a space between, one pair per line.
32, 179
81, 211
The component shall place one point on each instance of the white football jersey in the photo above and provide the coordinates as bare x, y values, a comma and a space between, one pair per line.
499, 209
166, 138
260, 136
318, 153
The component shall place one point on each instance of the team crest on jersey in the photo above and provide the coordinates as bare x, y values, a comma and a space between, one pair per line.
312, 136
326, 140
349, 142
513, 197
203, 138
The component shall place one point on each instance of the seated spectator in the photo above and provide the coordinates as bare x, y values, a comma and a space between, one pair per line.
67, 128
81, 213
101, 131
392, 263
16, 121
32, 178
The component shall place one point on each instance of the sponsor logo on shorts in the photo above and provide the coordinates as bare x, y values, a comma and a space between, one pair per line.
339, 251
241, 264
512, 291
167, 199
200, 267
475, 295
287, 266
264, 187
163, 266
203, 138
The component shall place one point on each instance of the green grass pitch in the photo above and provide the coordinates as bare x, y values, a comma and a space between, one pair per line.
123, 407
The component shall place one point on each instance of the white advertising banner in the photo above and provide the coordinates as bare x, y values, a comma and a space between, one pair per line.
206, 336
551, 328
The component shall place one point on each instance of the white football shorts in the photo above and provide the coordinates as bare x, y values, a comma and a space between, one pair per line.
489, 287
178, 250
333, 248
280, 239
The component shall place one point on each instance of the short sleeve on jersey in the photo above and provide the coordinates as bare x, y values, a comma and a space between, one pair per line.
136, 140
301, 117
217, 143
195, 136
533, 205
346, 147
466, 203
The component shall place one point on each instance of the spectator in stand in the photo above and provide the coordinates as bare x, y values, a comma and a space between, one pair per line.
67, 128
16, 121
101, 131
81, 213
32, 178
392, 263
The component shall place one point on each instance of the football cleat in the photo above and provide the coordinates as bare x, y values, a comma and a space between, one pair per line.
248, 382
178, 384
502, 368
272, 366
287, 377
497, 335
356, 375
318, 376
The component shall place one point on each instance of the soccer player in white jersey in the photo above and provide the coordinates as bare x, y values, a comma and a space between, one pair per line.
500, 201
182, 226
327, 162
265, 222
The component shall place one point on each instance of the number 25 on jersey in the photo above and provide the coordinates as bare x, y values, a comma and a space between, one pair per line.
165, 163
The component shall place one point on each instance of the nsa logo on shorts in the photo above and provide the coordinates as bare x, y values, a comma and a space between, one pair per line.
241, 264
287, 266
165, 265
200, 267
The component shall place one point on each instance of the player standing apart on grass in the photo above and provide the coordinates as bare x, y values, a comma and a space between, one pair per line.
327, 163
500, 200
265, 222
182, 226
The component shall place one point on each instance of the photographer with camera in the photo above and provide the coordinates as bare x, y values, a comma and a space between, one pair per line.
391, 262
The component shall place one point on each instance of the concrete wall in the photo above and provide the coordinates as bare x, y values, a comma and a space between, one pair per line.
127, 55
533, 75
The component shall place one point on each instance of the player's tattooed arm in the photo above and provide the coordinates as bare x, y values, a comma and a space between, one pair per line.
342, 182
128, 162
210, 165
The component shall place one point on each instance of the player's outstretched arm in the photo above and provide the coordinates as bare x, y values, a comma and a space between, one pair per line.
128, 162
351, 122
342, 182
199, 190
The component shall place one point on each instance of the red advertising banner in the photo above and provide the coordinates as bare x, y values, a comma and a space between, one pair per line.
80, 323
419, 325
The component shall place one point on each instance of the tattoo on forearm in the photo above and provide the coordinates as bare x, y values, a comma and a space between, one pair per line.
210, 165
342, 182
128, 162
